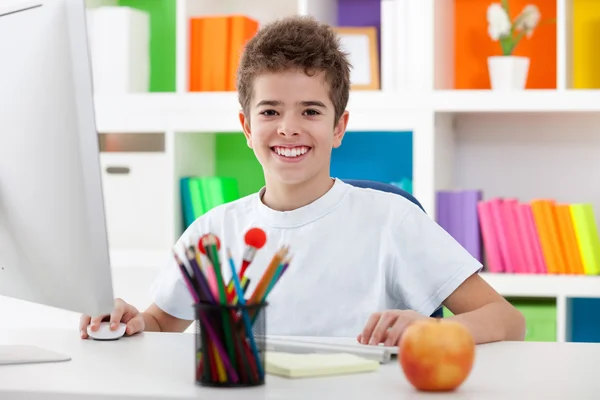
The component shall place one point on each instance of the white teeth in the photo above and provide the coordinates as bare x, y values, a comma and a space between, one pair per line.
291, 152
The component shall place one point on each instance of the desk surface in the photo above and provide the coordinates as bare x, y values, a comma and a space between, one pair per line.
160, 366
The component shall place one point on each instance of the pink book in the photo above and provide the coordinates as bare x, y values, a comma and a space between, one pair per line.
513, 237
495, 263
496, 209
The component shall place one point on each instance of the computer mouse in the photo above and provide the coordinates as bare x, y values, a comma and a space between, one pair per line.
104, 332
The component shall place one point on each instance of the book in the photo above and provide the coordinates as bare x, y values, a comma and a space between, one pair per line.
588, 239
215, 46
456, 213
294, 365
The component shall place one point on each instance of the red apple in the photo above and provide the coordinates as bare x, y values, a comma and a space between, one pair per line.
436, 354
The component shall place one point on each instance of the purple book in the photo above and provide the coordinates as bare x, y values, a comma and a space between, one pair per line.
444, 211
471, 234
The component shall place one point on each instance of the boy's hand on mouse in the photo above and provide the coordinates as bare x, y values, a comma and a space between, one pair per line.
387, 327
123, 312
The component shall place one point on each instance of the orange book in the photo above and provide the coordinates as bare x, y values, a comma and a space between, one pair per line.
214, 50
241, 29
196, 29
569, 240
545, 222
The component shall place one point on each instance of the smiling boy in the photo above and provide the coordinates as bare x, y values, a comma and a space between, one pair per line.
365, 263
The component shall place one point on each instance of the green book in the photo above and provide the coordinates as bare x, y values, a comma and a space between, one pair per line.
198, 204
213, 191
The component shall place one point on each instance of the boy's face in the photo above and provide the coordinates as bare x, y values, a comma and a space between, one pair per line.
291, 126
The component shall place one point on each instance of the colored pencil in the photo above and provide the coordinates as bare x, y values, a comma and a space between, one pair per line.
202, 285
262, 286
278, 273
211, 243
245, 317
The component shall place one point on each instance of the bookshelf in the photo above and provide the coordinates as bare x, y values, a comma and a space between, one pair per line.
541, 142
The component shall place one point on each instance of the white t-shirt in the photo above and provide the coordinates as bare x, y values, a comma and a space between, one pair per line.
354, 252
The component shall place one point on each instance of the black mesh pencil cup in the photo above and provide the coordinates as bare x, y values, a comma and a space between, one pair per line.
230, 344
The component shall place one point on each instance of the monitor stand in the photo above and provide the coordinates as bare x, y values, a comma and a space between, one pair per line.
25, 354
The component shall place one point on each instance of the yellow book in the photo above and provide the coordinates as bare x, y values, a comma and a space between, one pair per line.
586, 233
584, 35
303, 365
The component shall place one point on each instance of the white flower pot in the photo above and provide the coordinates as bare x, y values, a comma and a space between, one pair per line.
508, 72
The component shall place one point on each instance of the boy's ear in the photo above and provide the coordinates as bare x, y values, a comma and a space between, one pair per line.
246, 127
340, 129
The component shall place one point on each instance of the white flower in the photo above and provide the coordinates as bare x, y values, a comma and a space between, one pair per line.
528, 19
498, 21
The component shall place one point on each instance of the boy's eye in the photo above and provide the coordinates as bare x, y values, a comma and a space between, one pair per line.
269, 113
312, 112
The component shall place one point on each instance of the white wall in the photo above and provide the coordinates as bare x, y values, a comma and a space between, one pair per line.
131, 284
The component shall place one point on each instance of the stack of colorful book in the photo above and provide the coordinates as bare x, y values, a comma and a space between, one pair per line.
201, 194
542, 236
216, 43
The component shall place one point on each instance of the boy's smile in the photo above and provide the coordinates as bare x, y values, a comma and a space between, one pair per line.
290, 153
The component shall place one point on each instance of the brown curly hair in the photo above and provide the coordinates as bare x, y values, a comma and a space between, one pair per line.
296, 43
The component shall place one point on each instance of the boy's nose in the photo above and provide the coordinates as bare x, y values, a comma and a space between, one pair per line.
288, 132
288, 127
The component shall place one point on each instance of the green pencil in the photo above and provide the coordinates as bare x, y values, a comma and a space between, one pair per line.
210, 243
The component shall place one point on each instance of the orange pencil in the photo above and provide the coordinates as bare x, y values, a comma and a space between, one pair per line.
265, 281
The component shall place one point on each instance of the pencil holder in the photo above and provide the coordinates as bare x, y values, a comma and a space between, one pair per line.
230, 344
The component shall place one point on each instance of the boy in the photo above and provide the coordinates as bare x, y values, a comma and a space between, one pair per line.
364, 263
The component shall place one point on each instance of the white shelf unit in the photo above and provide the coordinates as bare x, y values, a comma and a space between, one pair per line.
562, 289
535, 143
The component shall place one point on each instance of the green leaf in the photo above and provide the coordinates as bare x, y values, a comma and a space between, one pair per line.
516, 41
506, 43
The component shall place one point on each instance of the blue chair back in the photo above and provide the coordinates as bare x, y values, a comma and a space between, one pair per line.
388, 187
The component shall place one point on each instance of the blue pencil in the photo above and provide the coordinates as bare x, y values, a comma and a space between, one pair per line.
280, 270
246, 319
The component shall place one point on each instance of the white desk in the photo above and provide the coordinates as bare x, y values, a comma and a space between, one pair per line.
160, 366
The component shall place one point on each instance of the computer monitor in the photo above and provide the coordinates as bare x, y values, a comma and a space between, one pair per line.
53, 238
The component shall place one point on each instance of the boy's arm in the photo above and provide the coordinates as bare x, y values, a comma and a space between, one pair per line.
156, 320
476, 305
484, 312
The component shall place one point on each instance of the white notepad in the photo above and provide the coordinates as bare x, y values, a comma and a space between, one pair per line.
291, 365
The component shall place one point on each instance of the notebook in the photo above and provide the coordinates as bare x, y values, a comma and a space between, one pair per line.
291, 365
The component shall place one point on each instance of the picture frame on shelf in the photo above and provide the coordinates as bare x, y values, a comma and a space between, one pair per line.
361, 45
